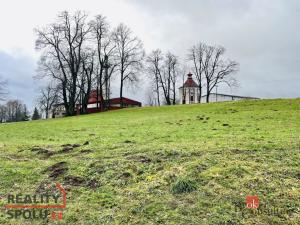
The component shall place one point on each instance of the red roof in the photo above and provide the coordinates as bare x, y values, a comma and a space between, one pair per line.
93, 97
190, 82
125, 101
93, 100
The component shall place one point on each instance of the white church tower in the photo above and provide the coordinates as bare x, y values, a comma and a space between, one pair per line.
189, 92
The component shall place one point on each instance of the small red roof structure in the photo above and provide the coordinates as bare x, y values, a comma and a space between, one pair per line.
111, 104
93, 97
190, 82
113, 101
126, 101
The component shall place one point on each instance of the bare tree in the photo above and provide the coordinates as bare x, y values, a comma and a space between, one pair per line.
48, 97
3, 91
217, 70
168, 78
183, 90
183, 71
105, 51
154, 69
63, 44
109, 71
86, 80
129, 55
2, 113
197, 56
150, 98
174, 76
163, 71
16, 111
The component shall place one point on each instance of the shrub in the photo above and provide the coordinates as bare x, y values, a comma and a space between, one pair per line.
183, 186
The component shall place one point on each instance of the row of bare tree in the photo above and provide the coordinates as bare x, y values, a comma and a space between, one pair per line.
207, 63
211, 69
80, 54
163, 71
3, 91
13, 111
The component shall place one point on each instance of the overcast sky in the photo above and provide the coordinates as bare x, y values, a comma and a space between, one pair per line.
262, 35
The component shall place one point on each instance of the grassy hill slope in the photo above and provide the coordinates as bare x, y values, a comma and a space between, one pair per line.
189, 164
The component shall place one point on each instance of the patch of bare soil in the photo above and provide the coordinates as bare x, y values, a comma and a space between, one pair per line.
46, 187
125, 175
200, 117
86, 151
129, 142
236, 151
200, 168
57, 169
15, 158
97, 167
68, 147
93, 184
76, 145
86, 143
77, 181
140, 158
233, 110
74, 180
42, 151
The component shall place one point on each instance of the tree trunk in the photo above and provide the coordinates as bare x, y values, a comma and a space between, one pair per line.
174, 94
108, 95
105, 101
158, 100
207, 94
157, 91
200, 94
168, 100
121, 93
47, 113
86, 98
101, 89
66, 104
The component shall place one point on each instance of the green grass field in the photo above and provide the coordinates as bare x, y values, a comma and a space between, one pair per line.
191, 164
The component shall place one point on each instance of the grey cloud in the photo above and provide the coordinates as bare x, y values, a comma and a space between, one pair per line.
18, 71
261, 35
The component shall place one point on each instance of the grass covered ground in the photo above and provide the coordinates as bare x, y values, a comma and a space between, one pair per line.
191, 164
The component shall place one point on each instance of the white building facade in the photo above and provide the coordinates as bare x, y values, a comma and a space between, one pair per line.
215, 97
189, 92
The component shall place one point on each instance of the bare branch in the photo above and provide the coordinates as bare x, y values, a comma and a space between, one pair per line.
208, 63
129, 55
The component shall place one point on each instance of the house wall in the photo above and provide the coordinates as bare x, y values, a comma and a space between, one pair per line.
125, 105
221, 98
58, 112
189, 92
91, 106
